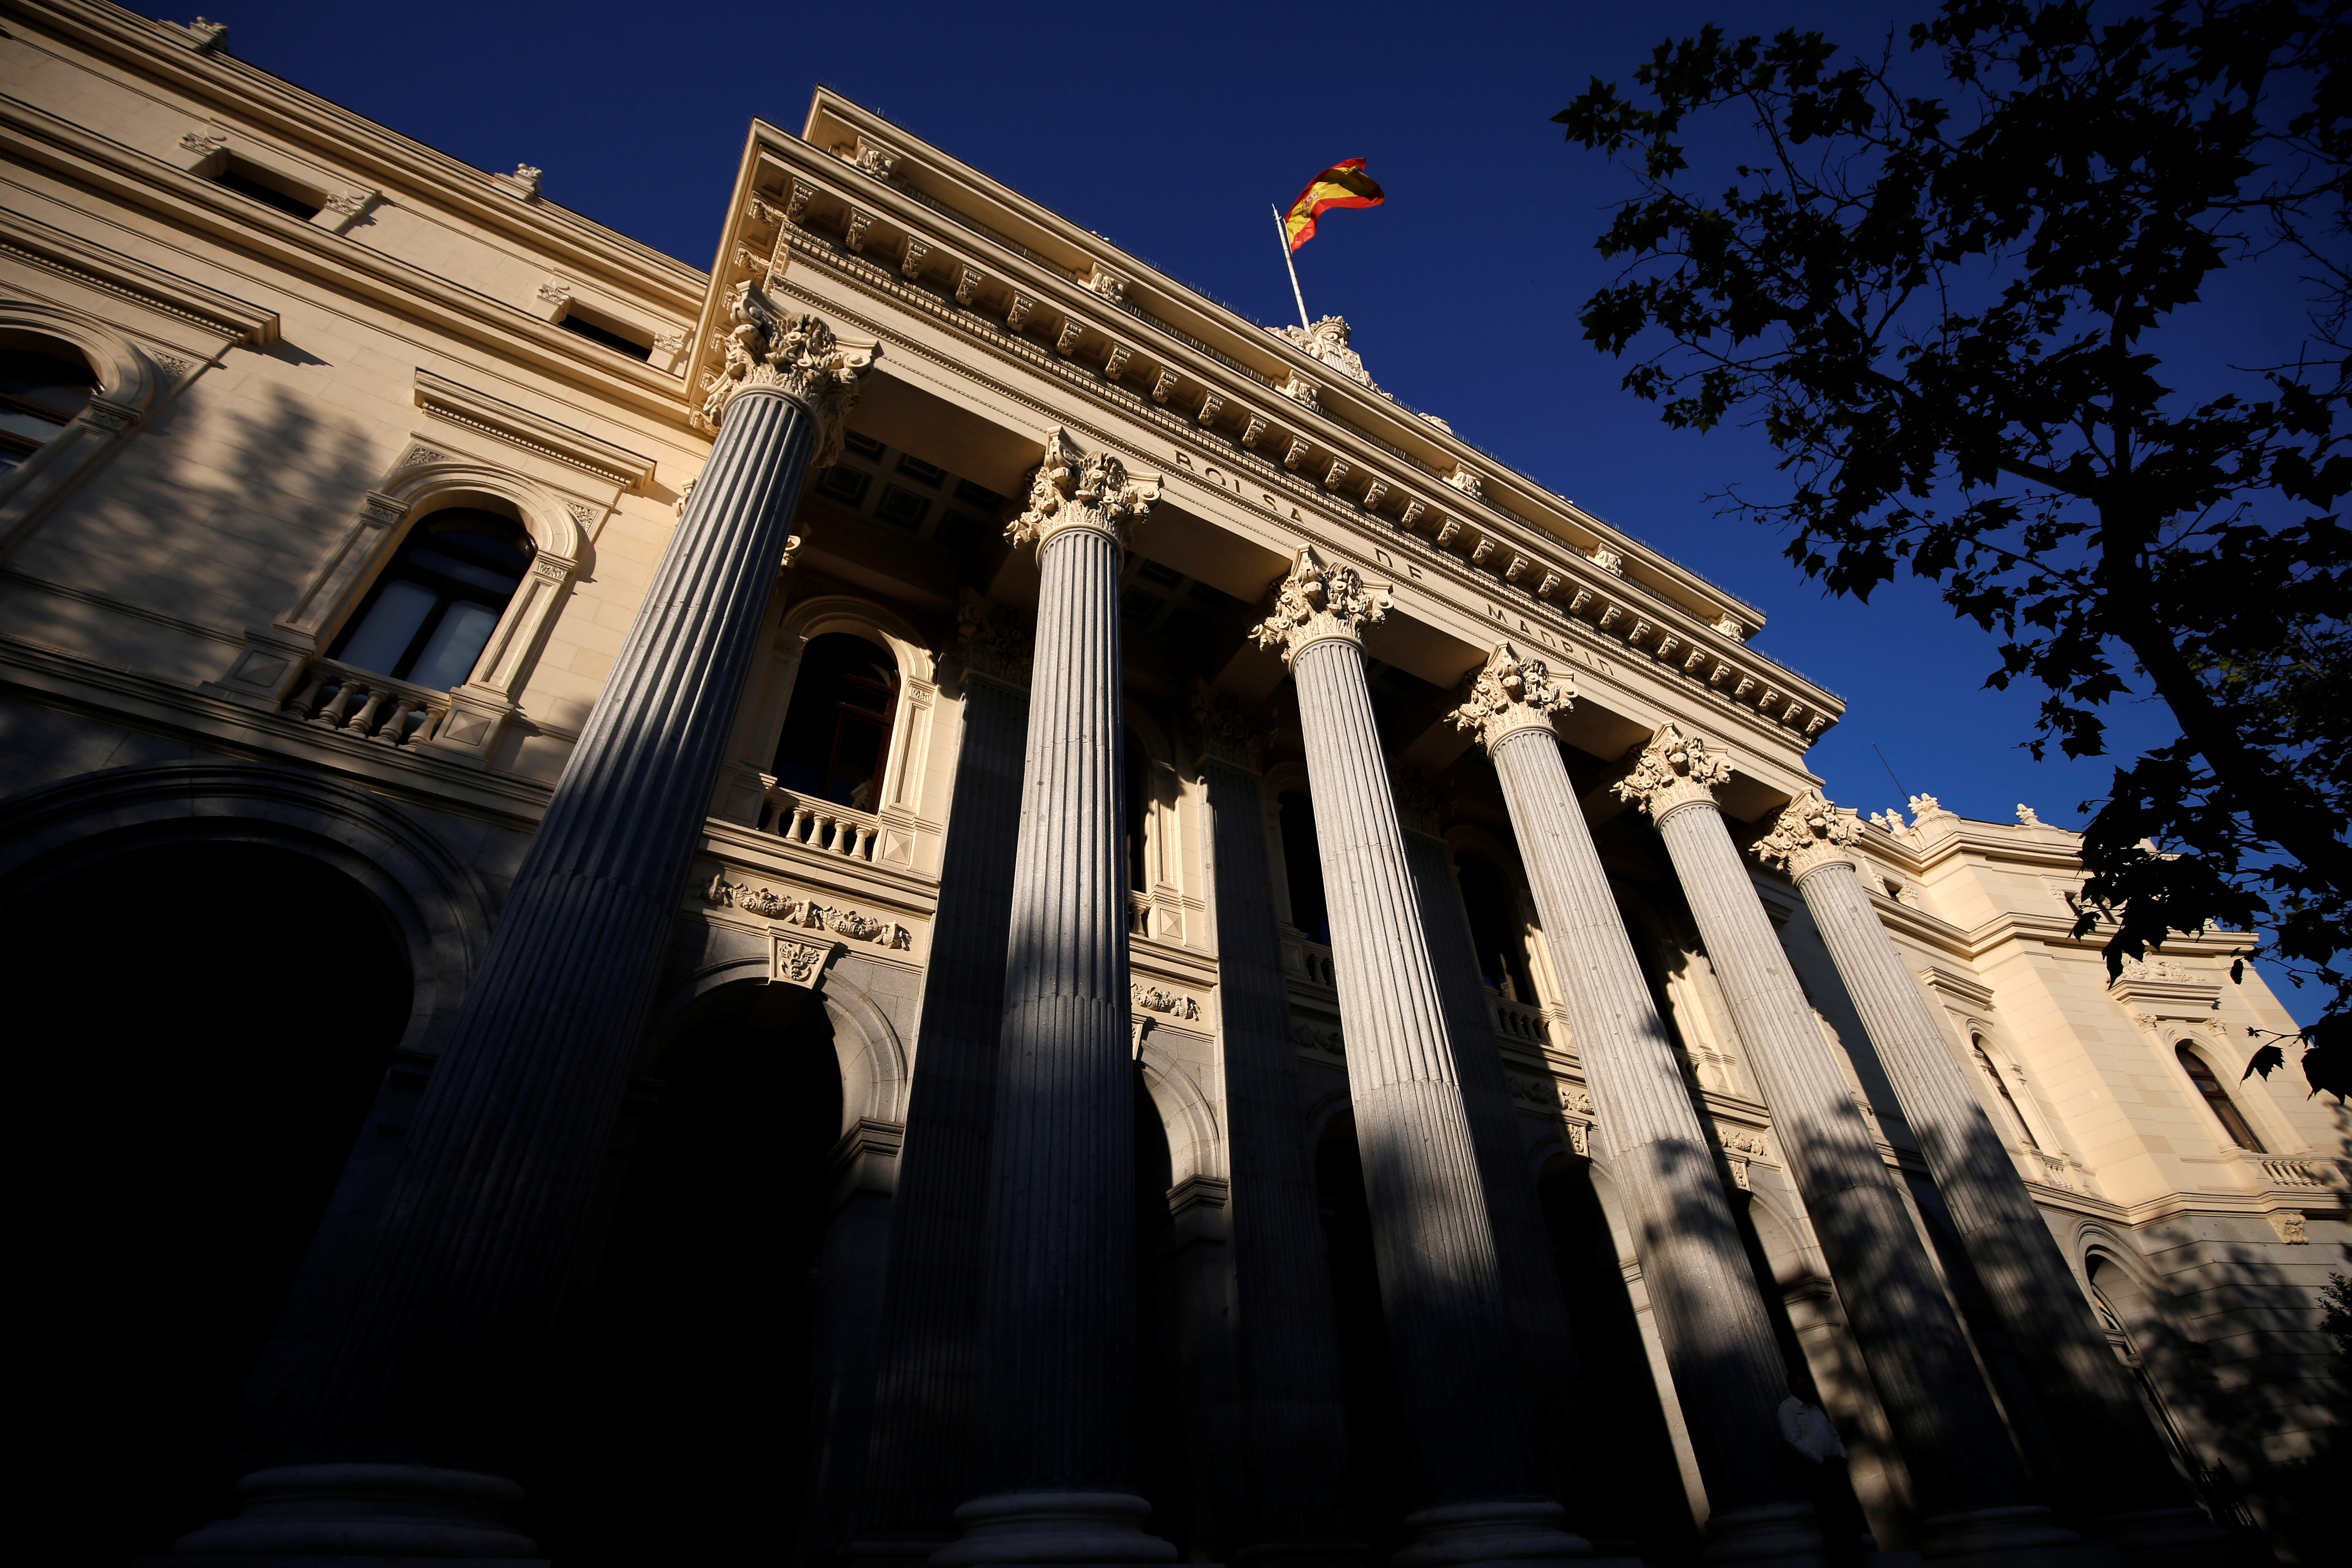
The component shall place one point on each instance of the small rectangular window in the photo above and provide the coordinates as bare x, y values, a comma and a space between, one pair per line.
864, 445
598, 331
919, 471
901, 508
270, 190
842, 483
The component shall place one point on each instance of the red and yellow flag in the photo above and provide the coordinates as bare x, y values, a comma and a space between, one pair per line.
1341, 186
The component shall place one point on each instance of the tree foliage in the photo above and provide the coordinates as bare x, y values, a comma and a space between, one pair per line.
1954, 283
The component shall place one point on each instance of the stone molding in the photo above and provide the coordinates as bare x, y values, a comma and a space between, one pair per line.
1511, 692
1319, 599
1810, 834
796, 355
614, 465
1077, 489
1673, 771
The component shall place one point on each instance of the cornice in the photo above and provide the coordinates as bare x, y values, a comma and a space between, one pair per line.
440, 396
110, 271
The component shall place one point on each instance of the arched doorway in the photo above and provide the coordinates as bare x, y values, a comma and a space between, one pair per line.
202, 1029
679, 1396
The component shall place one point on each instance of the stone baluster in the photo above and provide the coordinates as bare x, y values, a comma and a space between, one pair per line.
398, 1436
2136, 1500
1057, 1321
919, 1455
1476, 1486
1968, 1483
1294, 1461
1727, 1371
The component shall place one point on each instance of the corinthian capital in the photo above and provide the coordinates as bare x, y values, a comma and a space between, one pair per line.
1512, 693
993, 640
1229, 730
1319, 600
1811, 832
1673, 770
796, 355
1076, 488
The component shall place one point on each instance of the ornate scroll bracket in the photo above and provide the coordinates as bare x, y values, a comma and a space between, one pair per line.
1511, 694
1673, 769
1077, 489
1811, 832
797, 355
1227, 728
1319, 600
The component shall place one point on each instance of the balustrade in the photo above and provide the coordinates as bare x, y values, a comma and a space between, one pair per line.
1315, 961
820, 824
1520, 1021
372, 706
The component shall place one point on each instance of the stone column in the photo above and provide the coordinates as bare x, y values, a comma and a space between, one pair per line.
1546, 1349
1477, 1496
397, 1444
1969, 1485
1295, 1455
2137, 1500
1058, 1319
1727, 1371
918, 1454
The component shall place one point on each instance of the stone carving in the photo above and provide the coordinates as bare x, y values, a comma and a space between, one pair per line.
1107, 283
1153, 999
1574, 1098
1533, 1091
172, 364
2160, 971
1927, 808
1226, 728
1338, 471
796, 355
1319, 599
1414, 511
969, 279
205, 36
1300, 390
1512, 691
874, 158
1423, 801
854, 236
556, 295
1254, 427
1810, 833
796, 963
2290, 1228
1326, 341
671, 342
580, 512
1749, 1145
805, 913
351, 204
1468, 481
1732, 626
1066, 342
529, 178
420, 455
2028, 817
1327, 1041
796, 206
1115, 363
1075, 488
911, 256
1211, 406
993, 640
1673, 770
1374, 493
1018, 312
1608, 560
1162, 385
1296, 454
204, 144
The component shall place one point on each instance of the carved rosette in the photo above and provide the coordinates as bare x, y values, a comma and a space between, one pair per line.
797, 355
1512, 693
993, 640
1077, 489
1811, 834
1319, 600
1673, 769
1226, 728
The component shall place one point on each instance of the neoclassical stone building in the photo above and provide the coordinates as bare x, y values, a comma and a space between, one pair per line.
923, 899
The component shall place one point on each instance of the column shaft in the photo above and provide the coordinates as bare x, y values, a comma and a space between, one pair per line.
919, 1455
1297, 1457
1728, 1371
2085, 1395
1944, 1418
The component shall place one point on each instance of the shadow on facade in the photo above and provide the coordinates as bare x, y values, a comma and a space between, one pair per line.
202, 1031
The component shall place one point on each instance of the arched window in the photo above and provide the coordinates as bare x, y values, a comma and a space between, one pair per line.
1302, 858
1496, 929
1984, 1060
836, 736
432, 611
2225, 1109
43, 386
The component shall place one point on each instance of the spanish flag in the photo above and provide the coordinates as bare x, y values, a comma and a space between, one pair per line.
1341, 186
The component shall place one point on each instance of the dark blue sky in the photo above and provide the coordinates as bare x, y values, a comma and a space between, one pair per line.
1171, 129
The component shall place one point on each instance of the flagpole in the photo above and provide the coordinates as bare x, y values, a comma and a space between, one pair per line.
1284, 230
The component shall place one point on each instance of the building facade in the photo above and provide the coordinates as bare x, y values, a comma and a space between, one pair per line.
923, 899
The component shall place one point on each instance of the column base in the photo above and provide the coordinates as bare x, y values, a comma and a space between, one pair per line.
2023, 1537
2178, 1538
1305, 1551
1492, 1534
1062, 1530
1777, 1535
375, 1511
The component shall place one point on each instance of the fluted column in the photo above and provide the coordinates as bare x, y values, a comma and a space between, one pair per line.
2137, 1500
1968, 1480
398, 1443
919, 1452
1728, 1372
1545, 1348
1057, 1387
1477, 1496
1296, 1463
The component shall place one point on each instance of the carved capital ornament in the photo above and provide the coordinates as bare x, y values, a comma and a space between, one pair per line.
1673, 769
1077, 489
794, 355
1319, 599
1811, 832
1511, 694
994, 640
1227, 728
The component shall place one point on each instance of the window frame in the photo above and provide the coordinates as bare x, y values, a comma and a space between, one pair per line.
126, 385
